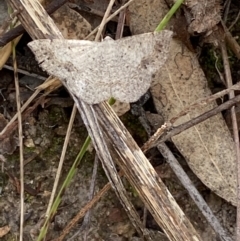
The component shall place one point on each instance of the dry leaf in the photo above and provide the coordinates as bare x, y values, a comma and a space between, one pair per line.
71, 24
208, 147
205, 14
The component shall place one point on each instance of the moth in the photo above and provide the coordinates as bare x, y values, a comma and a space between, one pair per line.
96, 71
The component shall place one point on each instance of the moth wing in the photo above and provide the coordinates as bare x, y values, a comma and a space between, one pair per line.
130, 63
123, 69
52, 54
95, 71
146, 54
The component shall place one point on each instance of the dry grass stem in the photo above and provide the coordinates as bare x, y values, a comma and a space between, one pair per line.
60, 164
20, 136
111, 17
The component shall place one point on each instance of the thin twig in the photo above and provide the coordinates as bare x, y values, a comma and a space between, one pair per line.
231, 41
235, 130
227, 7
120, 25
235, 21
111, 17
83, 211
104, 20
83, 8
201, 118
21, 71
167, 131
204, 101
193, 192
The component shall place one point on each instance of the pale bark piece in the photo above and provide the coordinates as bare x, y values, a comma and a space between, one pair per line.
96, 71
207, 147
